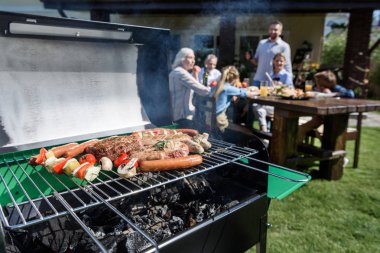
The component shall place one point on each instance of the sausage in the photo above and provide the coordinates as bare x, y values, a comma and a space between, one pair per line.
171, 164
60, 150
76, 150
191, 132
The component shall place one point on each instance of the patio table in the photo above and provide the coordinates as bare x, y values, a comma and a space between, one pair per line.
336, 114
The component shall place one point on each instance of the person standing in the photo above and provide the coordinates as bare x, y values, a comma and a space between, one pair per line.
208, 76
183, 82
267, 49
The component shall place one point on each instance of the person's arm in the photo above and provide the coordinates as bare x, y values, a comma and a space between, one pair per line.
190, 82
234, 91
287, 53
289, 79
343, 92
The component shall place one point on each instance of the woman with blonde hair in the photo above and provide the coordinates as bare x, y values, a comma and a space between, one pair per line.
224, 91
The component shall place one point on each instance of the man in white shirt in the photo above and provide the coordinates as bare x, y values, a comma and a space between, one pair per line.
265, 52
267, 49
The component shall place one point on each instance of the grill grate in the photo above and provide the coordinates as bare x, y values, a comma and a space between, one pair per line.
31, 195
34, 195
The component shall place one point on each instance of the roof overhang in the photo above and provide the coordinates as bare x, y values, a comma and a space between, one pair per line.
211, 6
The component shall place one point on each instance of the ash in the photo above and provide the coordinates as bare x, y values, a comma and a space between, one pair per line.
161, 213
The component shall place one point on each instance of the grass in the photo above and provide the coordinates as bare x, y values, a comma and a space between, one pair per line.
332, 216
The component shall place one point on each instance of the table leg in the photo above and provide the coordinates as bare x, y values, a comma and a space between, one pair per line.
334, 138
284, 137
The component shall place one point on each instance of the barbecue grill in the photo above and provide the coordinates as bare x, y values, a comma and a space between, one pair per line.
218, 206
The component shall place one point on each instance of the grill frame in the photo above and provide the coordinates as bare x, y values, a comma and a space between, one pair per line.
221, 154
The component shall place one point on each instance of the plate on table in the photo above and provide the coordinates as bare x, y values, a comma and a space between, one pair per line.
295, 98
315, 94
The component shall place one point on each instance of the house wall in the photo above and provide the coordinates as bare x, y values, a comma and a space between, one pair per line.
297, 27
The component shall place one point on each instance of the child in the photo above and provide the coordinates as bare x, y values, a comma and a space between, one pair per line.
224, 91
282, 77
325, 82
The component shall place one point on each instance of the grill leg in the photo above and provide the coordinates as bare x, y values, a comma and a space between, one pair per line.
261, 246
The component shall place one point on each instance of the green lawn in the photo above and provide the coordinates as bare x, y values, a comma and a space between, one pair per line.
332, 216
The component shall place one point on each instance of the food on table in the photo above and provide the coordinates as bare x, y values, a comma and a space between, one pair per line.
289, 92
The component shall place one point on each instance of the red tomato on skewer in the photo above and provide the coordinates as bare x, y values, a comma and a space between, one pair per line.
90, 158
120, 159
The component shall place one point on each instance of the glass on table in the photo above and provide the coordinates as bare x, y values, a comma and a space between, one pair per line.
264, 88
309, 85
245, 83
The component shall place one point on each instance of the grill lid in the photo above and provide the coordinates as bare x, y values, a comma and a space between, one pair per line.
68, 80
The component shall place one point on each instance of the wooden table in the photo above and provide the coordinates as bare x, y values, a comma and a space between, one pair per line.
336, 113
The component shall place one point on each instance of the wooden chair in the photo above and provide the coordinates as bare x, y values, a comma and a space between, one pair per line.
352, 133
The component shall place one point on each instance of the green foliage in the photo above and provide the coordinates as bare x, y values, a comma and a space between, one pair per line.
374, 77
333, 49
332, 216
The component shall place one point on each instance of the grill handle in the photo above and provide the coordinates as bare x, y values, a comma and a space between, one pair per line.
305, 180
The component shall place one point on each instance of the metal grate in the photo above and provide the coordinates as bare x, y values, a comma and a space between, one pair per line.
34, 195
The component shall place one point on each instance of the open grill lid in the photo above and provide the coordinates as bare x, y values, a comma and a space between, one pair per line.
63, 80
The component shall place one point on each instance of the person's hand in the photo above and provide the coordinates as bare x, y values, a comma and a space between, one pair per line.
326, 90
196, 69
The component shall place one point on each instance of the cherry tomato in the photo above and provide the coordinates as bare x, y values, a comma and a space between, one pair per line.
120, 159
90, 158
41, 156
82, 170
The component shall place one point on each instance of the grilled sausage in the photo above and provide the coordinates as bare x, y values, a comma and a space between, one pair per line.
60, 150
190, 132
171, 164
76, 150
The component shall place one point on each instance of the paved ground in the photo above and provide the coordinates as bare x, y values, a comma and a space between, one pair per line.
372, 120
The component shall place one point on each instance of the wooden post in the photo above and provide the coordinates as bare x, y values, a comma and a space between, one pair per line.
227, 39
334, 138
283, 143
356, 58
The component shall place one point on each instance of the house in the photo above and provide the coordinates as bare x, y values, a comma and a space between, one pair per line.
229, 28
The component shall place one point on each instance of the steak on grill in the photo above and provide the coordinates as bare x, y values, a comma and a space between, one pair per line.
112, 147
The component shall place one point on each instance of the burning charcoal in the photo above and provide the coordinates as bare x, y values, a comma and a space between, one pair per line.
231, 204
191, 221
137, 209
135, 243
199, 217
176, 224
119, 228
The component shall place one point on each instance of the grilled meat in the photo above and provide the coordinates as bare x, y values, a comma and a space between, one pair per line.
162, 150
112, 147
